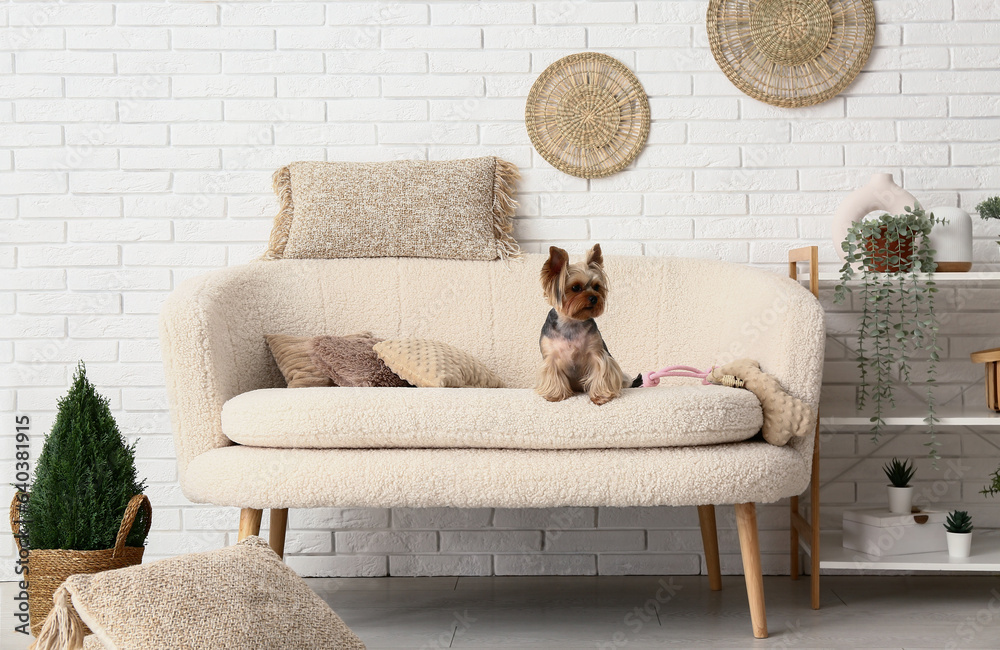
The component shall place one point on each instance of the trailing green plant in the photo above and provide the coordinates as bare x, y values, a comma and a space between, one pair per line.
993, 488
85, 477
897, 307
989, 209
958, 521
899, 472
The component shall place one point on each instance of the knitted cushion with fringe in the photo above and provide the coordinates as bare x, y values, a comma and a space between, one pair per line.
452, 209
242, 596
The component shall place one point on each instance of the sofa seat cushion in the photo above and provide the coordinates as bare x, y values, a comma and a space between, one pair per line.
741, 472
380, 418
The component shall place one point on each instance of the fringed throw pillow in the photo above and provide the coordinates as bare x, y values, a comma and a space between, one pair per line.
452, 209
242, 596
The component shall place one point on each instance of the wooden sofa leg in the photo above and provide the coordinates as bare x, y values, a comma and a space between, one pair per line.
793, 560
249, 522
710, 540
279, 522
746, 522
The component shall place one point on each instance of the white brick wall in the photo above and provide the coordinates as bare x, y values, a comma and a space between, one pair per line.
137, 140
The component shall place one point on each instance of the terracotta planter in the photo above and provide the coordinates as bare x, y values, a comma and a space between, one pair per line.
48, 568
883, 251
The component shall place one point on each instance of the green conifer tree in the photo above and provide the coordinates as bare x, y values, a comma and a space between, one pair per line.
85, 477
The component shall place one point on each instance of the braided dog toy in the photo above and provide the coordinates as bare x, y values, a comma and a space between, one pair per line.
651, 379
785, 416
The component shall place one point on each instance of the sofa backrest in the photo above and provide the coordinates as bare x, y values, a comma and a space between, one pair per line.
661, 311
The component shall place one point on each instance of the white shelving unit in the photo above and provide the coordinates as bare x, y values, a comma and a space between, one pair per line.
985, 556
833, 556
966, 416
940, 278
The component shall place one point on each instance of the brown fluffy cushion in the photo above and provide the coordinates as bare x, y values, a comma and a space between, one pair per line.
432, 364
352, 362
331, 361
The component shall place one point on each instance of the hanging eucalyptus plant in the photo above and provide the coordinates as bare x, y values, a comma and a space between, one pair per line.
897, 307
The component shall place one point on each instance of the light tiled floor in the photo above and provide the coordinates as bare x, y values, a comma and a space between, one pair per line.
647, 612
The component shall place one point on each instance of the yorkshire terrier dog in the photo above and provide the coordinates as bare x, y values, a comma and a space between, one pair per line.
575, 358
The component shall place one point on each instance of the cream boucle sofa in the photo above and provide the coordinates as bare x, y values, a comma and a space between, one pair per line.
394, 447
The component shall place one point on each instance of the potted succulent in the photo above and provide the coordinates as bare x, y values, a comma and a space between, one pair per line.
85, 511
899, 474
898, 320
989, 209
959, 531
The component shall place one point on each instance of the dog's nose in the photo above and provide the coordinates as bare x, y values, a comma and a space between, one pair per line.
593, 300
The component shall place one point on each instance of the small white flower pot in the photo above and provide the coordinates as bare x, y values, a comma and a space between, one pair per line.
900, 500
959, 544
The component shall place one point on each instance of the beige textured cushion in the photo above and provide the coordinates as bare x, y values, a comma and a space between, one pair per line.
432, 364
292, 354
456, 209
513, 418
242, 596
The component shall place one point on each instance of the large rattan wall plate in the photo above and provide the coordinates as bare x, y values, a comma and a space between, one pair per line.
791, 53
587, 115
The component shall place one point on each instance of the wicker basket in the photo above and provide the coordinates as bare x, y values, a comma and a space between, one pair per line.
47, 569
992, 360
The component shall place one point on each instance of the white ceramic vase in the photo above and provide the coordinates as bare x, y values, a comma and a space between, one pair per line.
952, 241
959, 544
880, 193
900, 500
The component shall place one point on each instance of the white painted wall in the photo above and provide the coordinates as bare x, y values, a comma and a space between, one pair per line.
137, 140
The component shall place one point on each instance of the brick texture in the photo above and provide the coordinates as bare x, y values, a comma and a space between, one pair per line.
137, 141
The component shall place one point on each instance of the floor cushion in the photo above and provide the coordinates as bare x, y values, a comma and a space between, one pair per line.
329, 418
241, 596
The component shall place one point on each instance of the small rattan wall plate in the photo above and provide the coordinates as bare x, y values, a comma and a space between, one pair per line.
791, 53
587, 115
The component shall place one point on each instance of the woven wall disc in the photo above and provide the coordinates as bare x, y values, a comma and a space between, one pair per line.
791, 53
587, 115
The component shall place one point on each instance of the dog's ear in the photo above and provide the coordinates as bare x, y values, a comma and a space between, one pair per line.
594, 257
553, 268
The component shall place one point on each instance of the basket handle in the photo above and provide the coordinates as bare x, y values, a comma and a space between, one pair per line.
15, 526
136, 502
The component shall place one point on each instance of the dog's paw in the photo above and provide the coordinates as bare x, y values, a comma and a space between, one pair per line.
558, 397
601, 399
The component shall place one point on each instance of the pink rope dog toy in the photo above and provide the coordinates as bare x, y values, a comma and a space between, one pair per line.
651, 379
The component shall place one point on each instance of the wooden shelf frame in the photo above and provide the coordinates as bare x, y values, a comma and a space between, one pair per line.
804, 532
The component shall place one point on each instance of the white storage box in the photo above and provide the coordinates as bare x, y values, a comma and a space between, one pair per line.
879, 532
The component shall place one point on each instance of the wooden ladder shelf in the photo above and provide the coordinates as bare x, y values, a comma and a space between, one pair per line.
801, 528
